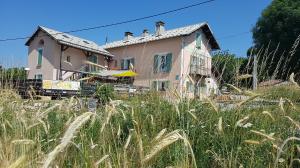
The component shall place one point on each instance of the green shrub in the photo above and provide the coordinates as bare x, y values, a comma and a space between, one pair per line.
104, 92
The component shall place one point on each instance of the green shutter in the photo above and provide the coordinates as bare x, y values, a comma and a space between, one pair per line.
40, 56
155, 64
169, 62
122, 64
198, 40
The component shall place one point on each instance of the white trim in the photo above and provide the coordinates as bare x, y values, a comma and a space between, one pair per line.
181, 83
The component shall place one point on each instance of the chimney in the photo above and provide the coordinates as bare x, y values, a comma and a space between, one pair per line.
145, 33
128, 36
159, 28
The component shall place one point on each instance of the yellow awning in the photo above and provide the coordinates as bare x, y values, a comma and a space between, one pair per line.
129, 73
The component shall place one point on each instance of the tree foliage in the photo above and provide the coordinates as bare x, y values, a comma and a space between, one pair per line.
13, 74
278, 27
228, 66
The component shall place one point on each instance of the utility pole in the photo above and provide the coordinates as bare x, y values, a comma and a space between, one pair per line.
254, 73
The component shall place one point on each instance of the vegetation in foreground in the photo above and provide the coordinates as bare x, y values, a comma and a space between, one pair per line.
146, 131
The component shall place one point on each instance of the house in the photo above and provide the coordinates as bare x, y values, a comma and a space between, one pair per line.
167, 59
54, 55
176, 59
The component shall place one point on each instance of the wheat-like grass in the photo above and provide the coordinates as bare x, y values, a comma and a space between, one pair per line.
293, 121
167, 140
212, 104
253, 142
18, 163
268, 114
160, 134
247, 100
101, 160
263, 135
220, 127
240, 122
282, 146
281, 105
69, 134
23, 141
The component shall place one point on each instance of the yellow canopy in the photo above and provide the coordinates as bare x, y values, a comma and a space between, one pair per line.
129, 73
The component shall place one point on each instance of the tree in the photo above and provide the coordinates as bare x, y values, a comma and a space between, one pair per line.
228, 66
275, 32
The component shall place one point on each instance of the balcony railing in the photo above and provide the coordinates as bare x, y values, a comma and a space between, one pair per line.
200, 70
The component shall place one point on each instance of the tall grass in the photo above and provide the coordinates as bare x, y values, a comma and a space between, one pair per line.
146, 131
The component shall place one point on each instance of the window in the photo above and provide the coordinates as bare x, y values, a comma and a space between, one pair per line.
198, 40
160, 85
38, 76
126, 63
93, 59
116, 63
65, 36
162, 63
40, 57
68, 58
86, 42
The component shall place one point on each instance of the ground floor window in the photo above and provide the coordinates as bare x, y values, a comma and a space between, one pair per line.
160, 85
38, 76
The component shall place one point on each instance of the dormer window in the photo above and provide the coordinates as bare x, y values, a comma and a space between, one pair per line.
65, 36
86, 42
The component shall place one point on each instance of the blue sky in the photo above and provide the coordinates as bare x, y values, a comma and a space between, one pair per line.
20, 18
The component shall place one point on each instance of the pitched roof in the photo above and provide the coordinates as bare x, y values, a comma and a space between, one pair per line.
167, 34
70, 40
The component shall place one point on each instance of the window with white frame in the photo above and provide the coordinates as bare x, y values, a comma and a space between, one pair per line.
161, 85
38, 76
127, 63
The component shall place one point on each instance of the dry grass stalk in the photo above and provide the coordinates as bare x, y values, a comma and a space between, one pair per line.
241, 122
263, 134
268, 114
69, 134
163, 143
23, 141
220, 127
18, 163
281, 105
290, 103
193, 115
254, 142
212, 104
235, 88
160, 134
282, 146
101, 160
293, 121
247, 100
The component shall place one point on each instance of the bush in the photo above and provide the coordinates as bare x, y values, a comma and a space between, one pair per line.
104, 92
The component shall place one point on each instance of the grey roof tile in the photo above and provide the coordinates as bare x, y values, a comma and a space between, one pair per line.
152, 37
74, 41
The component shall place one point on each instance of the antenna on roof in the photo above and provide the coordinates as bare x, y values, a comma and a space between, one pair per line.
106, 40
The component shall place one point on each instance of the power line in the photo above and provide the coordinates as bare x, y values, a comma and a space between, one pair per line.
118, 23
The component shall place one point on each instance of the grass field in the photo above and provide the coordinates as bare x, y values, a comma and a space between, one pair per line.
147, 131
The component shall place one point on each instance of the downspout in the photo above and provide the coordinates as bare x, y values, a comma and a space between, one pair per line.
182, 65
60, 72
